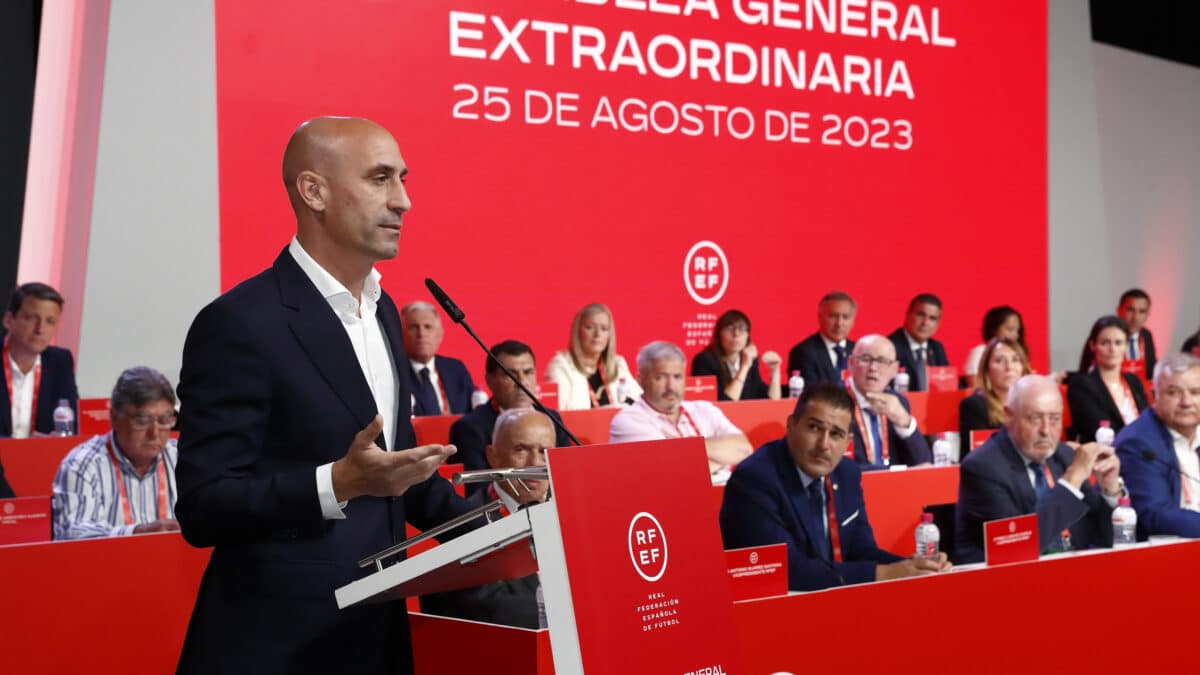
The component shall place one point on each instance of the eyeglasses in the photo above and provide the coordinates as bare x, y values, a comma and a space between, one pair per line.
867, 360
1036, 419
143, 422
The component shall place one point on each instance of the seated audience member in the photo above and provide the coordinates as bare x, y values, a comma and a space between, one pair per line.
915, 346
590, 372
1158, 452
1002, 321
1005, 361
1192, 344
822, 356
884, 430
1134, 308
661, 412
782, 495
519, 440
733, 358
122, 482
1025, 468
38, 375
440, 384
1100, 391
472, 432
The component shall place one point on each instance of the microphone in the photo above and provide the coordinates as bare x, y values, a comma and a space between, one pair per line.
459, 317
1150, 456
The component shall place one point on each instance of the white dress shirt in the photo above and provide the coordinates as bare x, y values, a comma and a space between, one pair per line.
22, 398
1189, 465
829, 345
370, 348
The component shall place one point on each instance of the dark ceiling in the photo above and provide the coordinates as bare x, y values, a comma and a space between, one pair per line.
1153, 27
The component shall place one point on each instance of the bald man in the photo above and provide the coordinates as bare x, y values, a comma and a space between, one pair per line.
884, 430
296, 453
1025, 468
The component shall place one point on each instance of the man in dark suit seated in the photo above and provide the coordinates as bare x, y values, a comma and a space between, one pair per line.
1024, 468
296, 449
37, 375
440, 384
1134, 308
884, 430
821, 357
781, 495
1158, 452
473, 432
520, 440
915, 346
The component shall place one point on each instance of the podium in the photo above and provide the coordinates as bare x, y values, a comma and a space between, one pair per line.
632, 571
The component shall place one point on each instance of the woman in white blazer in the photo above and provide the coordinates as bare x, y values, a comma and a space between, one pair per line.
590, 373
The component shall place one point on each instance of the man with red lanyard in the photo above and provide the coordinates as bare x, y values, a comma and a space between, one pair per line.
1134, 308
662, 413
122, 482
36, 375
1025, 468
884, 431
440, 384
798, 491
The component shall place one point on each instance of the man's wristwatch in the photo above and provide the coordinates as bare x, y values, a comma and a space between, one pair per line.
1121, 491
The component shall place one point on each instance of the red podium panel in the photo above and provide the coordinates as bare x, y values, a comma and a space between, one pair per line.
30, 463
24, 520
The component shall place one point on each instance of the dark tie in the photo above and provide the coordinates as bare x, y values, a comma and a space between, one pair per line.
1133, 348
427, 403
877, 438
841, 357
816, 505
919, 371
1040, 486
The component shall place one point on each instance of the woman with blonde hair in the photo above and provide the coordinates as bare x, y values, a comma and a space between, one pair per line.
1003, 362
590, 372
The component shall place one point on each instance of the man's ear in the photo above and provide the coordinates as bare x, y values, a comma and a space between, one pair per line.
8, 319
313, 190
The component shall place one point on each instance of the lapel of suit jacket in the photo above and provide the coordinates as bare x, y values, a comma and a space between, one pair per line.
793, 487
322, 337
1106, 400
1019, 472
393, 332
1175, 487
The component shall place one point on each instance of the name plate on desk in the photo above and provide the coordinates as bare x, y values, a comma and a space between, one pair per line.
700, 388
942, 378
757, 571
24, 520
547, 393
1010, 540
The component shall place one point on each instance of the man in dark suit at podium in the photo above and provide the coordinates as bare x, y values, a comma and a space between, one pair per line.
440, 384
822, 356
915, 346
37, 374
296, 454
520, 440
1025, 468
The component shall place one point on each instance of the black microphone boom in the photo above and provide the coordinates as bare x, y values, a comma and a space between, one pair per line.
1151, 456
459, 317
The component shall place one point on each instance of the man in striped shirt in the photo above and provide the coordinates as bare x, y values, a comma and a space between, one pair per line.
122, 482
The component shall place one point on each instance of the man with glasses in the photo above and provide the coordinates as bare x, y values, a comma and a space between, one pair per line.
1026, 468
885, 431
122, 482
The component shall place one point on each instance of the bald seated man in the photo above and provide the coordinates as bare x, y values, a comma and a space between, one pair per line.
296, 454
884, 429
519, 440
1026, 468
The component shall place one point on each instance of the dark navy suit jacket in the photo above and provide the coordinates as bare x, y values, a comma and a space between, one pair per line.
456, 381
765, 503
1154, 485
935, 355
1089, 402
812, 360
912, 451
270, 389
994, 483
58, 382
472, 433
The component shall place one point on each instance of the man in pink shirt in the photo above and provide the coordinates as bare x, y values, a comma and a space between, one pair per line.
662, 413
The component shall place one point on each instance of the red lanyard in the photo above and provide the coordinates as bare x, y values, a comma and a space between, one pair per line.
603, 385
871, 451
834, 539
1066, 533
1128, 398
493, 496
683, 415
37, 384
443, 402
162, 484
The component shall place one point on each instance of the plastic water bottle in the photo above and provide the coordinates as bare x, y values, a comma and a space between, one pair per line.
64, 419
1124, 523
541, 607
941, 451
478, 397
622, 392
928, 538
901, 382
795, 385
1105, 435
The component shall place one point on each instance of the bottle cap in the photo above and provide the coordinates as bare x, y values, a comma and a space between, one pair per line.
63, 402
1104, 424
795, 373
1123, 501
926, 517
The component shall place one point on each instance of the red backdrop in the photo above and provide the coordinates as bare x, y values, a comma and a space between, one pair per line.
523, 223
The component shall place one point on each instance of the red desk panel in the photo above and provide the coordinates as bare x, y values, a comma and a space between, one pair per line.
30, 463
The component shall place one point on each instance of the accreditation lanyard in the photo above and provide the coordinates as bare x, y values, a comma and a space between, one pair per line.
1130, 403
834, 539
683, 415
871, 451
443, 402
124, 496
603, 385
37, 384
1066, 533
